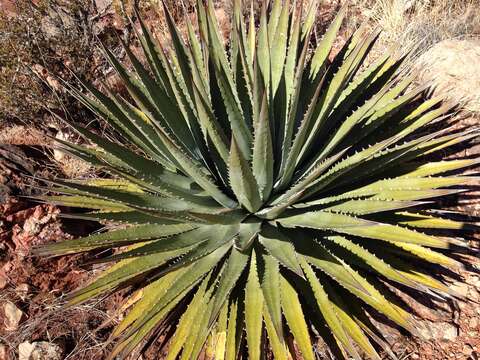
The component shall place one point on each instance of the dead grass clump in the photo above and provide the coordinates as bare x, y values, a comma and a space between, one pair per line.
21, 135
81, 331
417, 24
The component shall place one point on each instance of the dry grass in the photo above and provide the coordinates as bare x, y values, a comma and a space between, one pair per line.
52, 316
21, 135
417, 24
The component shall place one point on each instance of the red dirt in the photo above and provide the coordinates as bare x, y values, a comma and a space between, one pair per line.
74, 329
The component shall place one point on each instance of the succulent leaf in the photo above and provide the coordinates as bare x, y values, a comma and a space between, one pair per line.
264, 192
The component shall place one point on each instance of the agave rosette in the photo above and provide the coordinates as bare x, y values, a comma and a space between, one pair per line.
265, 191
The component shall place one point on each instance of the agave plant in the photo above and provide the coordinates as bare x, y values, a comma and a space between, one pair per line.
265, 193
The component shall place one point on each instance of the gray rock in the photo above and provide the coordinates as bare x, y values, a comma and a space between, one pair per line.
453, 67
438, 331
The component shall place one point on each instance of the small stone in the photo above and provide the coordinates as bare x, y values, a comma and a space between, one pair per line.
467, 350
24, 350
473, 323
442, 331
408, 5
461, 288
13, 316
474, 295
475, 281
40, 350
31, 226
3, 281
450, 332
49, 28
22, 291
59, 155
56, 22
4, 354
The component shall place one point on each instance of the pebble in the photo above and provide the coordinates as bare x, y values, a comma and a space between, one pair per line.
467, 350
4, 352
3, 281
22, 291
461, 288
13, 316
442, 331
473, 323
40, 350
